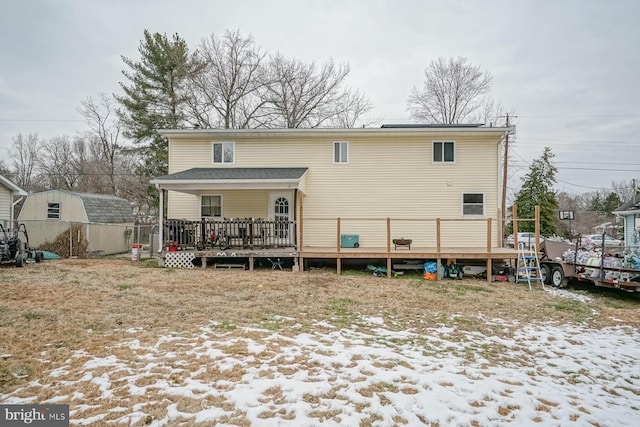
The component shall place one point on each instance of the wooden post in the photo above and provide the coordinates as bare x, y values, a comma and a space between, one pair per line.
438, 267
489, 235
338, 235
301, 228
536, 210
204, 261
338, 262
389, 248
514, 213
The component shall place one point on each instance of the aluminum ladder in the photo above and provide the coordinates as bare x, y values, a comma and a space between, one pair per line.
528, 265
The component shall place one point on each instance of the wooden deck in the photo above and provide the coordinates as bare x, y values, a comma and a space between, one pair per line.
401, 253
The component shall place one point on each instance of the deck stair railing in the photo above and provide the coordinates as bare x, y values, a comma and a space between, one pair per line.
240, 232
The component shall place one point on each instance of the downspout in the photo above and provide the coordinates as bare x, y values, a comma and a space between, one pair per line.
160, 219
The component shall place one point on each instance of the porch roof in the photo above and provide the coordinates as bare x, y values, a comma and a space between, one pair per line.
196, 180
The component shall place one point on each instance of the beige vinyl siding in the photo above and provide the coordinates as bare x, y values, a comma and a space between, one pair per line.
5, 205
385, 177
235, 204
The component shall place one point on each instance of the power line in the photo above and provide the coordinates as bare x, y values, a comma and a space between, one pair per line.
41, 120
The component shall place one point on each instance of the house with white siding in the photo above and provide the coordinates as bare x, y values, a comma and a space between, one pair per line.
319, 190
10, 194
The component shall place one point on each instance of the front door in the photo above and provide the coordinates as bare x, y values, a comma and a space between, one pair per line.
281, 212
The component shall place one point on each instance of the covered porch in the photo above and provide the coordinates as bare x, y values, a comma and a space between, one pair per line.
227, 207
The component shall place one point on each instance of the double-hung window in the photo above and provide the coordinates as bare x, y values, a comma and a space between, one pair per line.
53, 210
472, 204
223, 153
341, 152
211, 206
444, 152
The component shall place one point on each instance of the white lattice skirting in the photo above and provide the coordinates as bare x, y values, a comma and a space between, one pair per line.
179, 259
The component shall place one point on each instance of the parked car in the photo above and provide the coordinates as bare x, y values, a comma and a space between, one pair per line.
609, 242
527, 239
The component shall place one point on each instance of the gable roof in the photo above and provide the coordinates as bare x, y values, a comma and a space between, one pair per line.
12, 186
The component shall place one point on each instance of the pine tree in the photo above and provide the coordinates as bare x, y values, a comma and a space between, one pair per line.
537, 189
156, 96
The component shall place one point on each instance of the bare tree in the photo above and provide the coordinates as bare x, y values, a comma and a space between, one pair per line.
24, 154
228, 80
452, 91
61, 164
103, 135
350, 109
303, 95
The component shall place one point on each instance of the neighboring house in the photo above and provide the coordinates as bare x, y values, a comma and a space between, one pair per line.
413, 181
108, 220
10, 194
630, 213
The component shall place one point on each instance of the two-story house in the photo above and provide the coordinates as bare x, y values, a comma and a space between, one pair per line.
437, 186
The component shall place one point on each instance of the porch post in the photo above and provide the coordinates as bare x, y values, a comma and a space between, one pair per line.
301, 232
160, 219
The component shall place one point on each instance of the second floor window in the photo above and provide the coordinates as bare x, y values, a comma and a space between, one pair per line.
223, 152
443, 152
340, 152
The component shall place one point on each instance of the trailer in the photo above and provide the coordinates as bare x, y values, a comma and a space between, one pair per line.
561, 262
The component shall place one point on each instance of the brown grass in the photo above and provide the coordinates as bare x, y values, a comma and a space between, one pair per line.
61, 306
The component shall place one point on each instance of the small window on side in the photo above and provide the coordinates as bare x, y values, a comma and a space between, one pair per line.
473, 204
53, 210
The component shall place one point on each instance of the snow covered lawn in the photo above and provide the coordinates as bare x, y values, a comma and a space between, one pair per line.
146, 347
367, 374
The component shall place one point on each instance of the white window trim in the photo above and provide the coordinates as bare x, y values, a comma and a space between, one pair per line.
443, 162
233, 146
333, 152
484, 203
59, 211
221, 205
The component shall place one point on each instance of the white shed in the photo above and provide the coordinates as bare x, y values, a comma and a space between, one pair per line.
107, 221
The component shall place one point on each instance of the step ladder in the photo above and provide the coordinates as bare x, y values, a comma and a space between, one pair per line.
528, 265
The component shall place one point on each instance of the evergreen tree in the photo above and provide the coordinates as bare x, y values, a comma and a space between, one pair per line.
155, 96
537, 189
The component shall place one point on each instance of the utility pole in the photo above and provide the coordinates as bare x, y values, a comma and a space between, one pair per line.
504, 182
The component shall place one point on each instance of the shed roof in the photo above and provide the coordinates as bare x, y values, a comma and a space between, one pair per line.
235, 174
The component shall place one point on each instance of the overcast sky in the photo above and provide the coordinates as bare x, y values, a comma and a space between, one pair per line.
570, 70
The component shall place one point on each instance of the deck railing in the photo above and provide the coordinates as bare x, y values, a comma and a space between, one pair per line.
234, 232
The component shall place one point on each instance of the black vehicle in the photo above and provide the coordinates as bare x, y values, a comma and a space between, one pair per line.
14, 246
